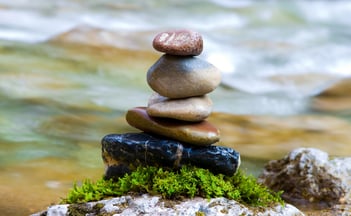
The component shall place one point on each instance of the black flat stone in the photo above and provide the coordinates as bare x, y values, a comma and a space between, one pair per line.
124, 152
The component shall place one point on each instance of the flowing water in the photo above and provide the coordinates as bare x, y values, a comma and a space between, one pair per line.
69, 70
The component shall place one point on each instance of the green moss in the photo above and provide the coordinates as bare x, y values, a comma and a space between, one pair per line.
187, 182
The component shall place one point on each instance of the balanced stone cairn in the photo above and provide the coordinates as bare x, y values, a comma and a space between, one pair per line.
175, 131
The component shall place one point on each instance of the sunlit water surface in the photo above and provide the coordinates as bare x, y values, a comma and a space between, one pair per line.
69, 70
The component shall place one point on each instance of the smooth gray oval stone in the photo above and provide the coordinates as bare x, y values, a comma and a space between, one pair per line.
182, 77
123, 152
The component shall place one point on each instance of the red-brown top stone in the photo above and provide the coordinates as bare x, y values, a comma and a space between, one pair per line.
179, 42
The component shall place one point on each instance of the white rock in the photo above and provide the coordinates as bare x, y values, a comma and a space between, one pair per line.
153, 205
55, 210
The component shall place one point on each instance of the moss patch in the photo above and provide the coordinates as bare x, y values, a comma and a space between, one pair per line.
189, 181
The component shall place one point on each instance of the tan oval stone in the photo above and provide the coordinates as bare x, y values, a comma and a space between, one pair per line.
187, 109
181, 77
200, 133
179, 42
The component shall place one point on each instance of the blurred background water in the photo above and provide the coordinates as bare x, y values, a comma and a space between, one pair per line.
69, 70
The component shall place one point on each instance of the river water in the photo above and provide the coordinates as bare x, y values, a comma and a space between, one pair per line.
70, 69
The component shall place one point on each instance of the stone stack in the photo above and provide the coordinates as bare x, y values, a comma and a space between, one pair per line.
175, 131
179, 106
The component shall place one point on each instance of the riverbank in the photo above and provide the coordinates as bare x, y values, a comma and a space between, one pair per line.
70, 70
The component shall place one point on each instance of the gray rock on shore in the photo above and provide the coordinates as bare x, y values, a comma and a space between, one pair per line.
309, 178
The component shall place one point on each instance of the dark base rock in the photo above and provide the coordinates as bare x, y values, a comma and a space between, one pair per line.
123, 152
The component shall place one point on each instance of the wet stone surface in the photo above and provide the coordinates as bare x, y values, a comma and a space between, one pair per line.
121, 152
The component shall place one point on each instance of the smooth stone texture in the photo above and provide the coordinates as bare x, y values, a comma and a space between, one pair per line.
179, 42
123, 152
148, 205
309, 178
182, 77
187, 109
200, 133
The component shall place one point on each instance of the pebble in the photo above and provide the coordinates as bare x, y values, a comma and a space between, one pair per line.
179, 42
200, 133
123, 152
188, 109
182, 77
